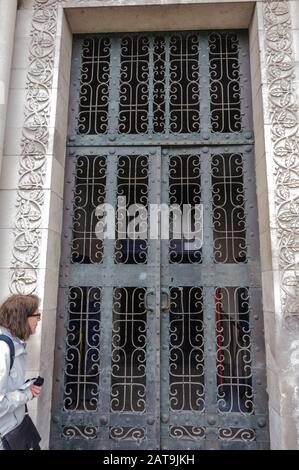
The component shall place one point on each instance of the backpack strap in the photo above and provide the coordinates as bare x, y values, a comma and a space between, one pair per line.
7, 339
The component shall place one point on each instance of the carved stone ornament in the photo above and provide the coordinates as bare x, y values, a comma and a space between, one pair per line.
285, 141
35, 139
285, 137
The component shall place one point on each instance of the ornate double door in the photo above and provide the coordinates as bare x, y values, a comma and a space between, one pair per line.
159, 340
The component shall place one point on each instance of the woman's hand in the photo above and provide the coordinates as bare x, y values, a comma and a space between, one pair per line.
35, 390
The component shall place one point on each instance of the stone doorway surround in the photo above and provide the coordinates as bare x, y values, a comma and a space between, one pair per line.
32, 176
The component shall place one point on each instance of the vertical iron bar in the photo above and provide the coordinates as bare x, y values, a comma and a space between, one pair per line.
165, 284
208, 276
204, 71
151, 86
167, 85
114, 92
155, 262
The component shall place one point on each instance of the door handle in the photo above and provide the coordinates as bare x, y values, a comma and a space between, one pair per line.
146, 305
167, 306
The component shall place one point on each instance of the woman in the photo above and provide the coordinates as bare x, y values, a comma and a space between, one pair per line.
19, 316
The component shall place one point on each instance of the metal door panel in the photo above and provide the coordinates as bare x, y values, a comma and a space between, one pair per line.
101, 426
149, 336
236, 426
113, 72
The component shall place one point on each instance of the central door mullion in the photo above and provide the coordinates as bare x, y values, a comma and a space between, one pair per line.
165, 293
107, 303
208, 269
154, 346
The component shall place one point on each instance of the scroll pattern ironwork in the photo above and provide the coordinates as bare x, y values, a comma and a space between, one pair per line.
184, 95
225, 82
134, 80
236, 434
159, 85
89, 193
187, 432
233, 340
132, 190
158, 92
184, 188
94, 86
186, 349
129, 341
228, 208
79, 432
285, 137
82, 368
127, 433
184, 91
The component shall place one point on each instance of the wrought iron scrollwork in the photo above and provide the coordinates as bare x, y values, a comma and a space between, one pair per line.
187, 432
184, 190
184, 89
184, 94
82, 368
132, 191
236, 434
129, 341
94, 86
134, 79
186, 349
79, 432
159, 90
127, 433
233, 339
229, 219
225, 82
89, 193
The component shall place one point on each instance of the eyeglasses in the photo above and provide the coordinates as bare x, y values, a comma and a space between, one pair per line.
35, 315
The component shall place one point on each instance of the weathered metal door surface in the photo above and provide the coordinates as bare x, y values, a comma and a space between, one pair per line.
160, 341
211, 318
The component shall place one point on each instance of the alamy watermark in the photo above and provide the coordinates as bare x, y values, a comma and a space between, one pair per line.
136, 221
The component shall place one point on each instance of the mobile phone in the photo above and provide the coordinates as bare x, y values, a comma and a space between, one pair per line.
38, 381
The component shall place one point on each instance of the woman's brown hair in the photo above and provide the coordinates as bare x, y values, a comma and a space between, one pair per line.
15, 311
